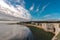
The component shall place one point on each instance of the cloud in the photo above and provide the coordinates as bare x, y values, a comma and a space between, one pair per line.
37, 9
16, 13
47, 15
17, 0
22, 3
53, 16
43, 8
32, 7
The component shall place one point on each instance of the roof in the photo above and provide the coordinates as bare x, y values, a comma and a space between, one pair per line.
44, 21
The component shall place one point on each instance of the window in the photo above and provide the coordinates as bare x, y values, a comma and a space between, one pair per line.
40, 24
59, 25
50, 26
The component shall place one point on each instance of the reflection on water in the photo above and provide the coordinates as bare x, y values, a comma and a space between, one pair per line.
14, 32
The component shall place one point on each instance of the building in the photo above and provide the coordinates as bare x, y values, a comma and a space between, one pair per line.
50, 26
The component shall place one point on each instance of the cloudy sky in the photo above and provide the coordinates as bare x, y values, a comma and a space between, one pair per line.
40, 9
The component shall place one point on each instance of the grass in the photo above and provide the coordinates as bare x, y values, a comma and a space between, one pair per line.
58, 36
40, 34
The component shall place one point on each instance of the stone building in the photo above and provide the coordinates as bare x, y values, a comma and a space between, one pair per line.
51, 26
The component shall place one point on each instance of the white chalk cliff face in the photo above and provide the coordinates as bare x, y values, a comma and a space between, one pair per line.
13, 11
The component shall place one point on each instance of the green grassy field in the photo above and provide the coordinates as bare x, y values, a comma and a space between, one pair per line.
40, 34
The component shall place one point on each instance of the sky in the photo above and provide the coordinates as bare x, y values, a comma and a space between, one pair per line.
43, 9
40, 9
